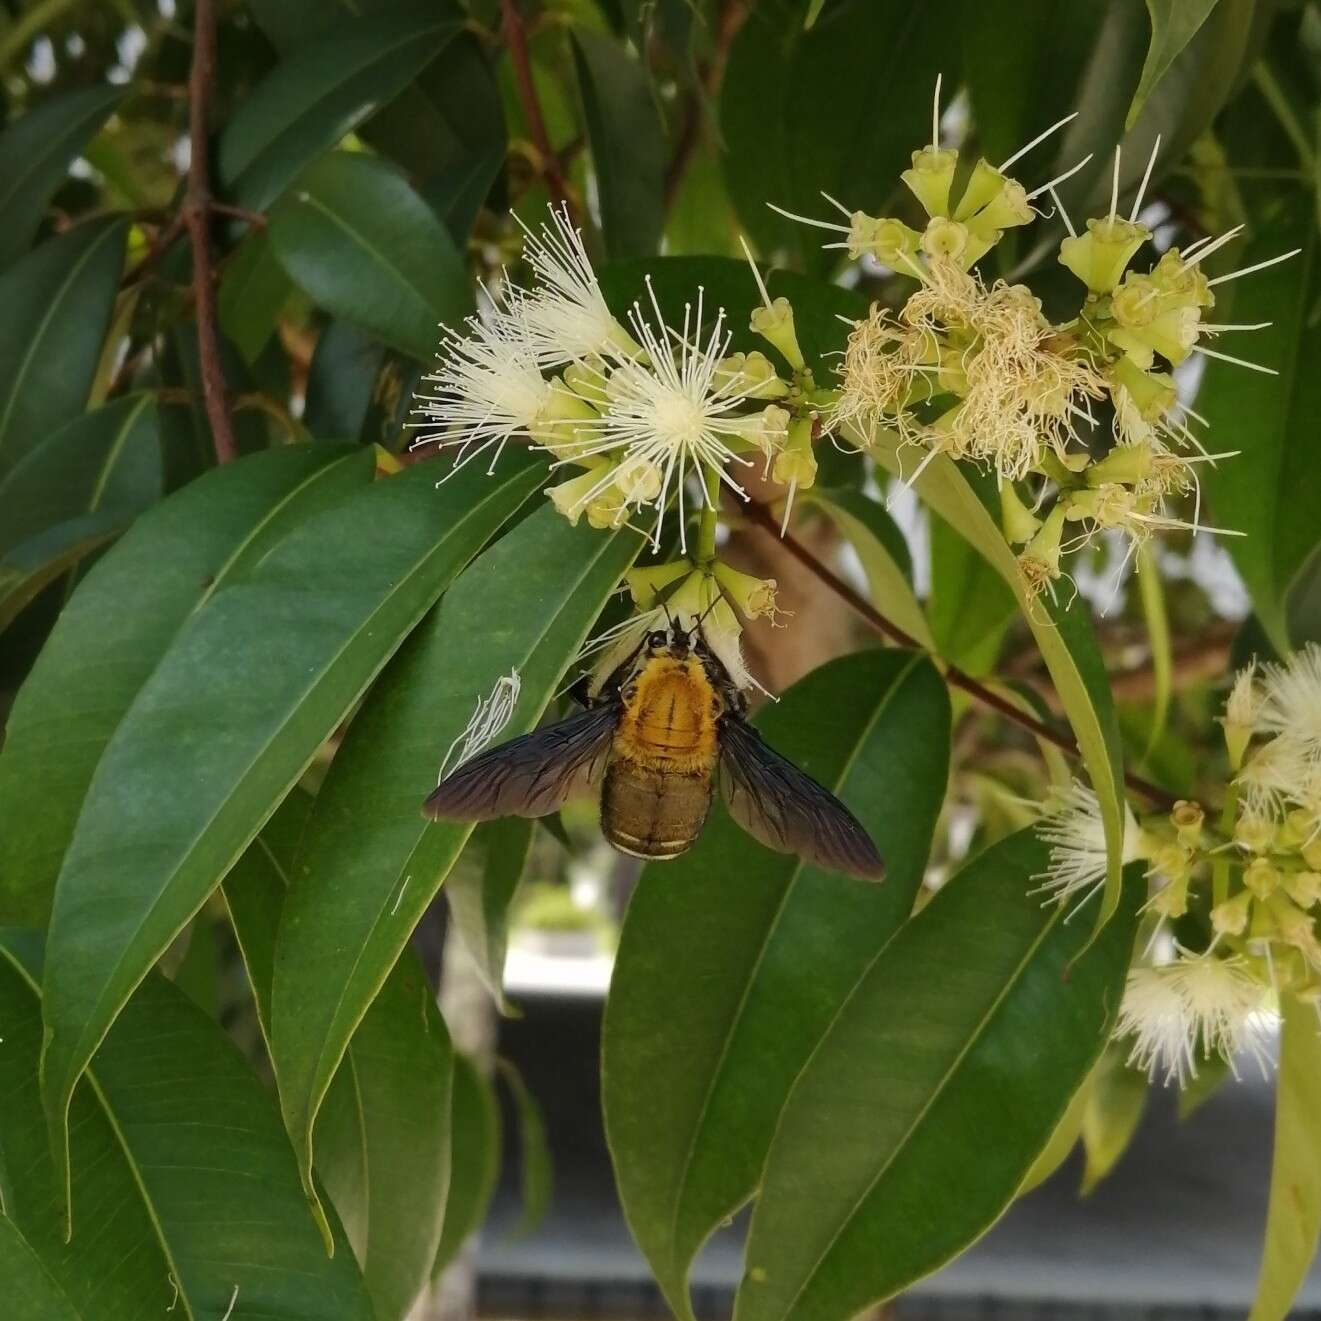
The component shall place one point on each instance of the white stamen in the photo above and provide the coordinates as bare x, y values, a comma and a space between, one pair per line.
491, 714
756, 274
1214, 245
1060, 178
1146, 177
837, 204
1041, 137
1238, 362
1064, 215
789, 503
1218, 329
1260, 266
233, 1298
807, 220
935, 114
1114, 188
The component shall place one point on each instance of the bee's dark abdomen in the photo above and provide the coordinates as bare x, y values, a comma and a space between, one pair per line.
652, 813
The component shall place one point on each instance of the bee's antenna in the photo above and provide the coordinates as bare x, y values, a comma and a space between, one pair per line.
702, 619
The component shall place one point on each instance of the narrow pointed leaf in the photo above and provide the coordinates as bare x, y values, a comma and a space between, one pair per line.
1065, 639
98, 656
57, 300
371, 863
1293, 1219
948, 1068
474, 1160
364, 246
321, 92
385, 1151
229, 720
185, 1185
35, 155
1174, 23
734, 960
536, 1173
1115, 1102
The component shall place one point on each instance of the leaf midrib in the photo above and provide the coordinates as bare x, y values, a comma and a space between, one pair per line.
974, 1038
66, 1086
73, 131
901, 679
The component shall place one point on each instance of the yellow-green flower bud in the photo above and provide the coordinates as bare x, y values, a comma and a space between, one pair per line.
753, 596
1108, 506
1020, 524
1172, 899
1152, 393
1231, 917
776, 324
1254, 833
645, 585
930, 178
955, 242
1174, 277
638, 480
1296, 829
572, 497
795, 465
1173, 862
891, 242
1098, 257
992, 202
1187, 819
1129, 464
586, 378
1311, 854
1261, 877
556, 426
1294, 925
1040, 562
1303, 887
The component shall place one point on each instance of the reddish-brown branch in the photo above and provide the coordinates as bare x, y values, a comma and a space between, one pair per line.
733, 14
197, 211
758, 513
552, 171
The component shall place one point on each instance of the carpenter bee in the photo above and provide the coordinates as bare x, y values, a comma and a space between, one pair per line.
666, 723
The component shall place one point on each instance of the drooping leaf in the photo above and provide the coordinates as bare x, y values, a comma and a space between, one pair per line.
480, 890
371, 863
184, 1186
1114, 1108
839, 108
474, 1160
1293, 1219
57, 300
1267, 493
879, 544
385, 1151
319, 93
363, 245
340, 382
628, 145
1062, 1141
733, 960
1064, 637
1174, 23
99, 655
252, 295
537, 1173
227, 722
35, 155
938, 1084
78, 488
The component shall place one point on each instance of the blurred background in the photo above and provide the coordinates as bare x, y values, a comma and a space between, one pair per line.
672, 123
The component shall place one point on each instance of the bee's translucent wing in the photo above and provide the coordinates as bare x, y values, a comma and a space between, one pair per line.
529, 776
789, 811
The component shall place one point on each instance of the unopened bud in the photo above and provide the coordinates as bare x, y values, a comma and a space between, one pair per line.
1303, 887
1020, 524
1187, 819
1231, 917
1099, 256
753, 596
645, 585
930, 178
1255, 834
776, 324
1261, 877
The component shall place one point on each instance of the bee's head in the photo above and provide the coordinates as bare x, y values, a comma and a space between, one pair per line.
673, 641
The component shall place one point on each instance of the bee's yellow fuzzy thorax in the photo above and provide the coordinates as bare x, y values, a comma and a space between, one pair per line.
669, 717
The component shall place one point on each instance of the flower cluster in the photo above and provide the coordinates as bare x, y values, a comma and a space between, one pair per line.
978, 372
1248, 884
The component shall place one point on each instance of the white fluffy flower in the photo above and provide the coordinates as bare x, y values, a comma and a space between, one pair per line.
672, 412
565, 318
1071, 824
1291, 701
1199, 1005
487, 388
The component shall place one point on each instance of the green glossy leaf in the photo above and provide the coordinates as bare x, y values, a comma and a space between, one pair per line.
839, 108
938, 1084
35, 154
1293, 1219
227, 723
321, 92
99, 656
1115, 1102
1062, 1140
1269, 492
1151, 593
372, 863
474, 1160
363, 245
31, 1292
480, 890
252, 295
733, 960
879, 544
627, 141
1064, 637
57, 300
340, 382
184, 1184
74, 491
1174, 23
536, 1171
384, 1155
970, 606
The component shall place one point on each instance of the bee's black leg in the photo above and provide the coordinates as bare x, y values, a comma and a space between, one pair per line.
580, 690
